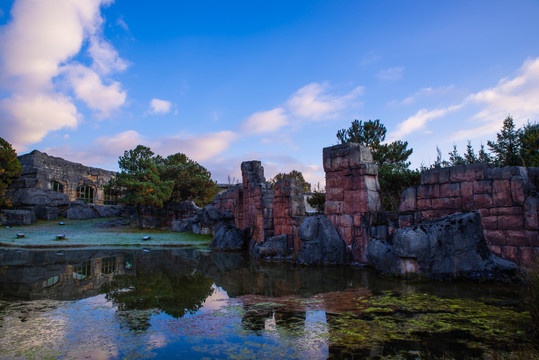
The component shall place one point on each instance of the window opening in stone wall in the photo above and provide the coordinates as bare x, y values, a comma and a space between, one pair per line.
56, 186
111, 196
85, 193
51, 281
83, 271
108, 265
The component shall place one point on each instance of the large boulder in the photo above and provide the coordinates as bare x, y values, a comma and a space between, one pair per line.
17, 217
273, 247
107, 210
229, 238
79, 210
449, 247
320, 242
35, 197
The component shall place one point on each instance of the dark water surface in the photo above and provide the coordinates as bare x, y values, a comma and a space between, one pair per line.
191, 304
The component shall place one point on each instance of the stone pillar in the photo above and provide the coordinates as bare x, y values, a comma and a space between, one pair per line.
288, 210
351, 194
257, 201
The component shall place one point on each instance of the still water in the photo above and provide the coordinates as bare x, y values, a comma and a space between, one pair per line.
191, 304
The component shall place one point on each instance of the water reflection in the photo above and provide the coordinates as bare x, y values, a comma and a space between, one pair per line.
177, 303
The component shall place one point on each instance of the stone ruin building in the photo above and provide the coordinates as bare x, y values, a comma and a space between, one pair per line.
51, 186
505, 198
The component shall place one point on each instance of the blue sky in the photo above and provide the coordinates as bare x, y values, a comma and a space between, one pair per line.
228, 81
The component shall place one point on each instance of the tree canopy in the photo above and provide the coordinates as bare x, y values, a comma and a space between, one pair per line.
10, 168
148, 180
294, 174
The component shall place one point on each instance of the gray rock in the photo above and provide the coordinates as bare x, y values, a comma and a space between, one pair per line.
79, 210
182, 225
46, 212
273, 247
107, 210
320, 242
36, 197
229, 238
17, 217
449, 247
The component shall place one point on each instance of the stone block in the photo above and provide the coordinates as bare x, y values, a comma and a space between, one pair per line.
501, 193
446, 203
496, 250
17, 217
518, 190
334, 194
482, 201
512, 210
357, 219
482, 187
345, 221
511, 253
428, 191
374, 204
430, 177
489, 222
484, 212
517, 238
333, 207
355, 201
466, 189
495, 237
510, 222
408, 199
531, 212
424, 204
526, 255
533, 237
406, 220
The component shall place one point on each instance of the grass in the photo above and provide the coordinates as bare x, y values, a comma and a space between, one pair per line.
92, 233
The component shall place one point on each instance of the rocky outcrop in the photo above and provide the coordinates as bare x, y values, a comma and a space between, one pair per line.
320, 242
17, 217
79, 210
275, 247
206, 221
449, 247
229, 238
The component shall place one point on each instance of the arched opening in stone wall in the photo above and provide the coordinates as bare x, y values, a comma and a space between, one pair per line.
83, 271
85, 193
56, 186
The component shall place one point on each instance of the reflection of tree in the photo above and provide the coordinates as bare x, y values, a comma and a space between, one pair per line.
174, 294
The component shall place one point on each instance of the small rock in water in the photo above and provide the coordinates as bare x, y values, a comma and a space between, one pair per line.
146, 250
148, 237
8, 227
61, 237
19, 235
61, 223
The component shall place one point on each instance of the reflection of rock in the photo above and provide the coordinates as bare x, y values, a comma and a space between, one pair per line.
320, 242
452, 246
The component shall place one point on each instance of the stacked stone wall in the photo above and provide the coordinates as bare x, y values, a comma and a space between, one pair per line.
288, 210
506, 198
39, 169
351, 194
231, 202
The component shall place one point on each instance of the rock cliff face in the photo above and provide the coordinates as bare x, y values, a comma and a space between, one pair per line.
449, 247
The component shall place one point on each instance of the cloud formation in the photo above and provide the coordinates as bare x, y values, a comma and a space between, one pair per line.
158, 106
391, 74
37, 48
313, 102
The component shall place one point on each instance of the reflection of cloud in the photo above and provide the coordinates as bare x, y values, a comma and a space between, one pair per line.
314, 342
217, 300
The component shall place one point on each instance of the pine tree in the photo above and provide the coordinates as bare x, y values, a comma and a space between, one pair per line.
10, 168
506, 148
529, 140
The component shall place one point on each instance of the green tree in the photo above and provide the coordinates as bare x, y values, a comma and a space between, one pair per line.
455, 158
139, 181
10, 168
294, 174
506, 148
484, 157
191, 180
392, 159
317, 199
529, 141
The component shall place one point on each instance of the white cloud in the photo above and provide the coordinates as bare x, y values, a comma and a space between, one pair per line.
121, 23
89, 87
36, 47
197, 147
158, 106
265, 121
418, 121
391, 74
424, 93
27, 119
313, 101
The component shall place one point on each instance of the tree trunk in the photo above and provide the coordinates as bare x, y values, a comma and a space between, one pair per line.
139, 217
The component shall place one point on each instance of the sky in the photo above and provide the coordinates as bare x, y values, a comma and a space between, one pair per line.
231, 81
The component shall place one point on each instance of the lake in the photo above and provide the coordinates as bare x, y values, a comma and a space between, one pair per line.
187, 303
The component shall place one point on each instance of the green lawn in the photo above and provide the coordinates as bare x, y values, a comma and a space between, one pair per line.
89, 233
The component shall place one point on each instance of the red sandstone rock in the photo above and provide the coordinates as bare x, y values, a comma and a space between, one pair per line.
424, 204
510, 253
517, 190
482, 187
501, 193
450, 190
495, 237
482, 201
489, 222
510, 222
446, 203
428, 191
517, 238
513, 210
